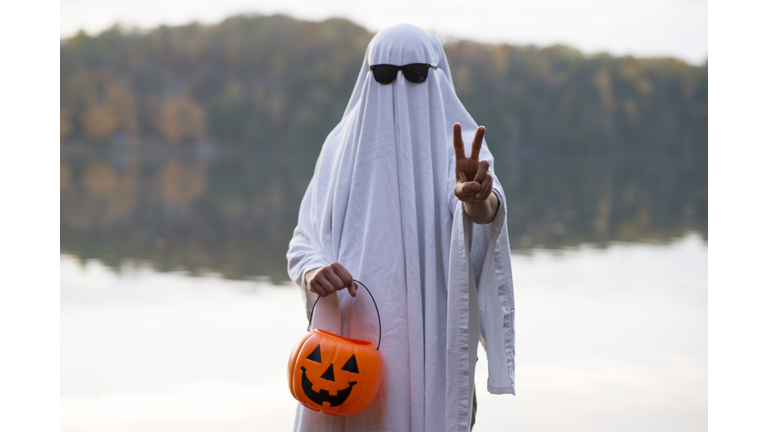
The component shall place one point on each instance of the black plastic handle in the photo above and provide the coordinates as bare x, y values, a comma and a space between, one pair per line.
312, 313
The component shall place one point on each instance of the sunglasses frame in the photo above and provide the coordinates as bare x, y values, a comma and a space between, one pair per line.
400, 68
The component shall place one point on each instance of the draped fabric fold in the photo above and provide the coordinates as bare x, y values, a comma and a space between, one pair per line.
380, 202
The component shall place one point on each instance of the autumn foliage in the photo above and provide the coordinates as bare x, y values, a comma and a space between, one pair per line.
274, 80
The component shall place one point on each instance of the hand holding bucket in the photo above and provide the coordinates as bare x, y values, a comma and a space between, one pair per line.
323, 363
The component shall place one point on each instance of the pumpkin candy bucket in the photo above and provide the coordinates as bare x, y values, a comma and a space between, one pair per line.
335, 374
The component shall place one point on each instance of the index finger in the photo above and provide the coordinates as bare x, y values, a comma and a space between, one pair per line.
458, 143
477, 143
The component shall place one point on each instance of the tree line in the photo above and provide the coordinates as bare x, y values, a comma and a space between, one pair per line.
223, 124
277, 82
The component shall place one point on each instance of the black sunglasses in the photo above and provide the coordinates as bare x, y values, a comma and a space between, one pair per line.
414, 72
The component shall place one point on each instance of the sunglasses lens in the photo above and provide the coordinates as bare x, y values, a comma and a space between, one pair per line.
415, 73
384, 74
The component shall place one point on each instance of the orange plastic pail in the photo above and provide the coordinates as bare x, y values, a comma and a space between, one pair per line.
335, 374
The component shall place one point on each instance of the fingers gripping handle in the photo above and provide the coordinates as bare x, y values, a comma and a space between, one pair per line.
312, 313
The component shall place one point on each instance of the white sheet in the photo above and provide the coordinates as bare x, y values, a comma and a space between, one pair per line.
381, 203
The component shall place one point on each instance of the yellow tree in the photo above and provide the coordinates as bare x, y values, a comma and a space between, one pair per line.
182, 119
116, 113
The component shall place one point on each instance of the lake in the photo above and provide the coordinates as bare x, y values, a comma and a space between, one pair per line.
177, 314
608, 339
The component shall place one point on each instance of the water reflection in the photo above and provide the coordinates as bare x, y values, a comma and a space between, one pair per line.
231, 211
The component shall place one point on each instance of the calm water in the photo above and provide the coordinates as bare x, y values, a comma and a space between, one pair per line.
232, 212
608, 339
176, 312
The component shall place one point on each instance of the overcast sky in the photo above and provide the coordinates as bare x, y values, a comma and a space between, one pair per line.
638, 27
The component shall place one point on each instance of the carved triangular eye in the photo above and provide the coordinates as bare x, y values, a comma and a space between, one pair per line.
351, 365
315, 355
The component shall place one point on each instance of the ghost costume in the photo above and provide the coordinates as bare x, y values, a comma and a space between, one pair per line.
381, 203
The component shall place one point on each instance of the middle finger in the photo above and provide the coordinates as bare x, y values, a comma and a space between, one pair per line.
327, 286
335, 281
477, 143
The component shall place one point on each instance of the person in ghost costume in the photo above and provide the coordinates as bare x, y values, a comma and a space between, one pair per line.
422, 223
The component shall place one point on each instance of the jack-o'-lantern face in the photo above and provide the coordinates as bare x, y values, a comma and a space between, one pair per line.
323, 395
334, 374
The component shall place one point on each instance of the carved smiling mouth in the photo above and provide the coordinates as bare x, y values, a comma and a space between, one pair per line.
324, 395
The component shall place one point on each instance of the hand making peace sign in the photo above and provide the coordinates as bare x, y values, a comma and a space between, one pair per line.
474, 183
